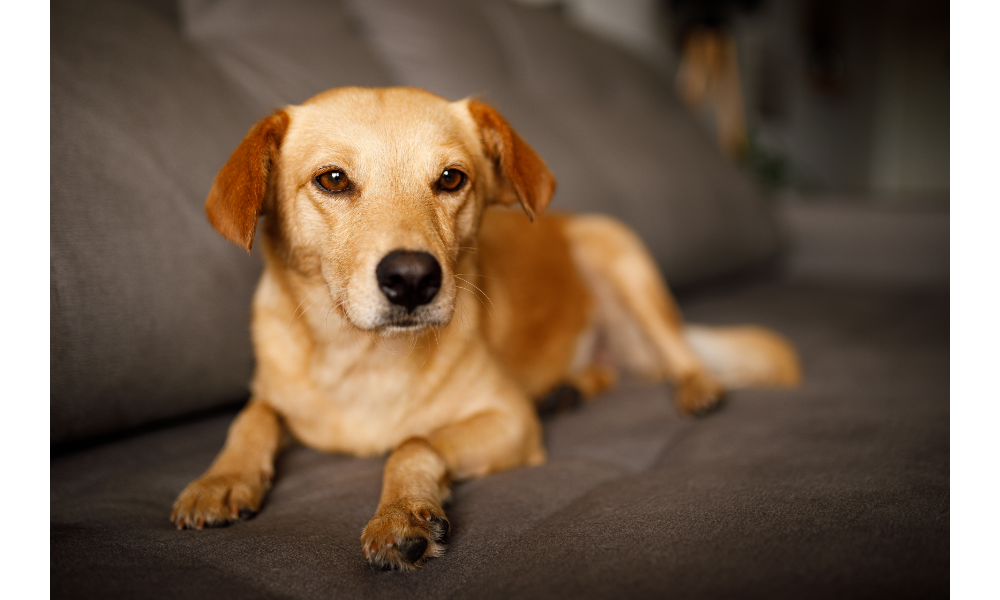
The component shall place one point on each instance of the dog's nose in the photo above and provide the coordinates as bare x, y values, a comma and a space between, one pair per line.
409, 279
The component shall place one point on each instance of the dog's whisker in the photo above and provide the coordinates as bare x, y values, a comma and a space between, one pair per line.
478, 298
437, 340
306, 297
478, 288
425, 347
403, 359
477, 275
295, 314
302, 314
330, 310
463, 323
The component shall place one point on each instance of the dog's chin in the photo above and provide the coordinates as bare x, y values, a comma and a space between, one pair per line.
403, 328
406, 327
395, 324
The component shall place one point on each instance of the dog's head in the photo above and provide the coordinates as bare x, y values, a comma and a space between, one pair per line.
377, 191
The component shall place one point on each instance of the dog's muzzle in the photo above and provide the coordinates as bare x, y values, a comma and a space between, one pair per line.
409, 279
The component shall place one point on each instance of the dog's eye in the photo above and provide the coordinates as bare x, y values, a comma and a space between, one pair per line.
451, 180
332, 181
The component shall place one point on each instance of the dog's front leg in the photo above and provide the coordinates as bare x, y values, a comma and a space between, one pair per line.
234, 485
410, 525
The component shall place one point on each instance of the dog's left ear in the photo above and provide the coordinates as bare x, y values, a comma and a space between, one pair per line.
237, 194
518, 166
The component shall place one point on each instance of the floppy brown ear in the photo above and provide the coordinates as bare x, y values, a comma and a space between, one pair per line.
235, 200
519, 165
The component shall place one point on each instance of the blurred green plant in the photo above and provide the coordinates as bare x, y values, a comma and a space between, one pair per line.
773, 169
770, 168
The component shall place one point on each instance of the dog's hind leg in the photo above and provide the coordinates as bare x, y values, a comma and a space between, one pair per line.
638, 318
234, 485
581, 386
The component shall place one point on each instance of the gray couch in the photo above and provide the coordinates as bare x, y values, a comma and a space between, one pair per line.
837, 488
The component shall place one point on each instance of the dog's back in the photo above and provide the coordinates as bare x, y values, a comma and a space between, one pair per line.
574, 299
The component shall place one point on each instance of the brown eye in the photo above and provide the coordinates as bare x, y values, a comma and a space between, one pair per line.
332, 181
451, 180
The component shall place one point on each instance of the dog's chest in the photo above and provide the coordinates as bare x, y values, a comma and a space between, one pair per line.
366, 400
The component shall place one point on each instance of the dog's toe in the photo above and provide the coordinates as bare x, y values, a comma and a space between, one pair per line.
710, 407
698, 394
412, 549
562, 398
246, 514
404, 535
440, 528
217, 501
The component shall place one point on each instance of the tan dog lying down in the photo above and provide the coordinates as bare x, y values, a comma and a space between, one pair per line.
397, 313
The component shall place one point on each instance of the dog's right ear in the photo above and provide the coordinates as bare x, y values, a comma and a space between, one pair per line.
235, 200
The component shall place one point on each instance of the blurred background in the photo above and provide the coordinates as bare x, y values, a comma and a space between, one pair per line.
839, 109
840, 97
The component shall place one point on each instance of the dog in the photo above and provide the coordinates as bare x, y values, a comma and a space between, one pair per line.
406, 307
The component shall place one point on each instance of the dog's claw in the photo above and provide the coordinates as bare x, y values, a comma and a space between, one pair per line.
697, 394
218, 500
441, 529
402, 536
246, 514
711, 408
562, 398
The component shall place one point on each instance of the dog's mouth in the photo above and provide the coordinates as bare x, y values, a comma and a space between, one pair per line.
401, 328
409, 322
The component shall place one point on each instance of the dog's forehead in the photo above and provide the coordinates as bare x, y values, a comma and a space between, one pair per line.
391, 124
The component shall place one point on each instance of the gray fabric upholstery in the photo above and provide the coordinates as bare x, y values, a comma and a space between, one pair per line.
283, 52
149, 305
836, 490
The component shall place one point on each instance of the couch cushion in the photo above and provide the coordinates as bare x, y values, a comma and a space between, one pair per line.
839, 489
281, 52
149, 305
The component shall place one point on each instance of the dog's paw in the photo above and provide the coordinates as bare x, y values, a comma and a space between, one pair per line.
562, 398
404, 534
216, 500
698, 394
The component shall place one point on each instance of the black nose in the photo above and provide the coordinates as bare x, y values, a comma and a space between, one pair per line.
409, 279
